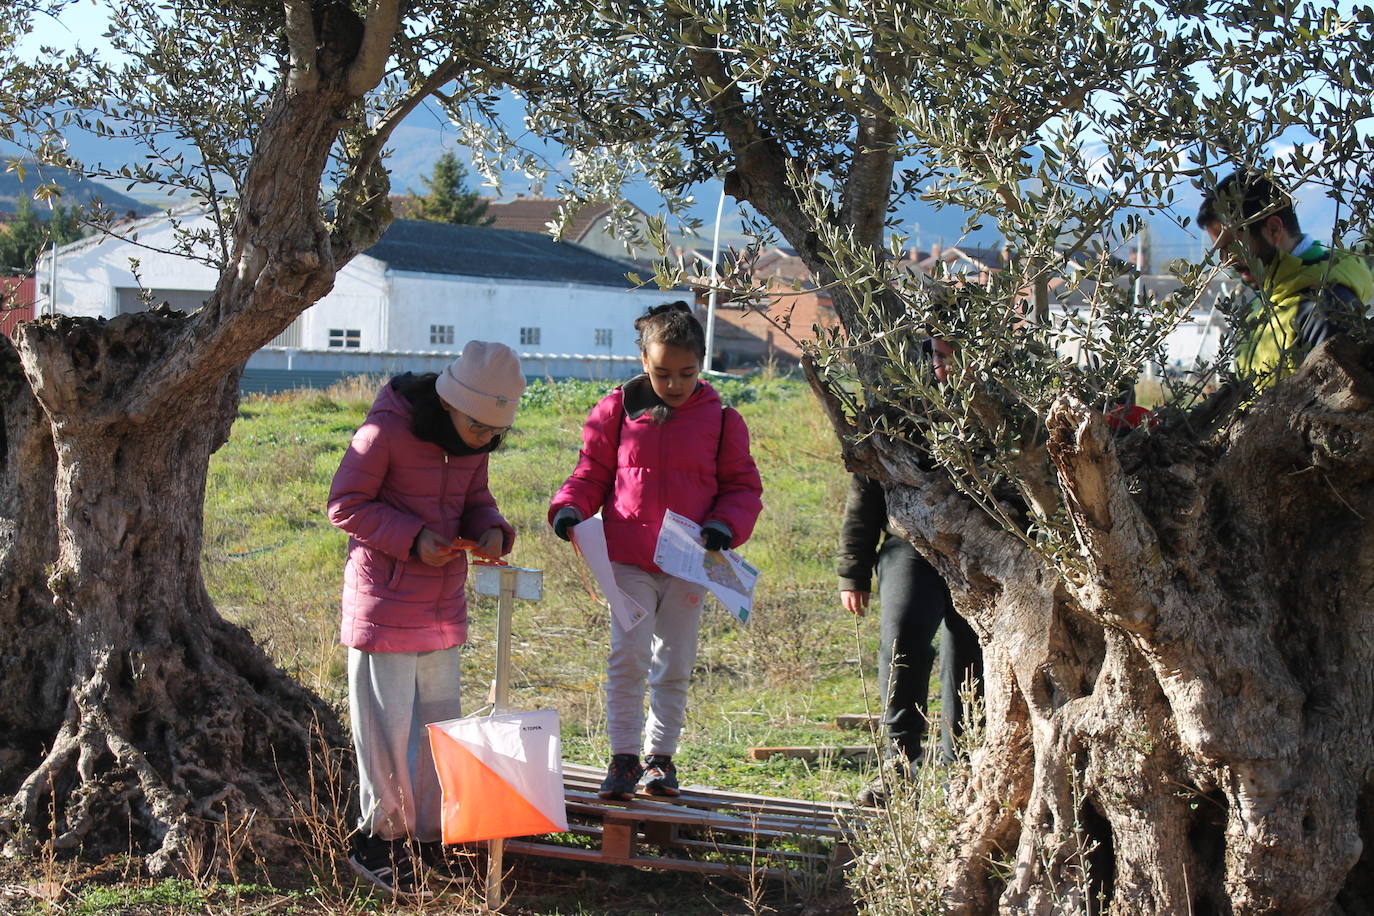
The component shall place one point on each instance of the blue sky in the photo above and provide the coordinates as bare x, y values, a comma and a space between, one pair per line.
427, 133
423, 136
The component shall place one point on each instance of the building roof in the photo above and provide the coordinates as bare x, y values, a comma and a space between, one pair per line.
533, 214
485, 251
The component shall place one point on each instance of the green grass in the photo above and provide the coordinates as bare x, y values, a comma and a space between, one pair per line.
170, 895
274, 564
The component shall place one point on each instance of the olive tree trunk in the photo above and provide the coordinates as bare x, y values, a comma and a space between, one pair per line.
1187, 724
131, 713
133, 703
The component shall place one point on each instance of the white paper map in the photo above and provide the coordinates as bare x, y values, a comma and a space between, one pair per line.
724, 573
590, 538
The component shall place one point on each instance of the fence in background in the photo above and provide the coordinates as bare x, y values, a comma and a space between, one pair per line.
274, 369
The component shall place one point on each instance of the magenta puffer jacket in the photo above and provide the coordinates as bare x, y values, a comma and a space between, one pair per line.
388, 486
697, 464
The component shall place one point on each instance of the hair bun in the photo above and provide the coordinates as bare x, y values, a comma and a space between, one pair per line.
678, 306
673, 324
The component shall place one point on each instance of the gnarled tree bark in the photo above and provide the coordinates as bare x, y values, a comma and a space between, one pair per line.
128, 704
1187, 723
1183, 723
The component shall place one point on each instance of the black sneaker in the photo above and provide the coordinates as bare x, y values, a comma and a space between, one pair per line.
622, 777
450, 864
660, 776
897, 772
391, 867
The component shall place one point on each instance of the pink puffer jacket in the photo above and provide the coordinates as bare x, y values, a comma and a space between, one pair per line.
388, 486
697, 464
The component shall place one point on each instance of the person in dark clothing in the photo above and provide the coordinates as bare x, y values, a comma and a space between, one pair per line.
913, 601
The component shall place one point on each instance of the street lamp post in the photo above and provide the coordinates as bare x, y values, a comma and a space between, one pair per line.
711, 297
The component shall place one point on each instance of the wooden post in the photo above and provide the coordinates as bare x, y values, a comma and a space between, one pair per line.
508, 583
500, 692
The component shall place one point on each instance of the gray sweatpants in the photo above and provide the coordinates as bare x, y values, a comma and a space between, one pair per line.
661, 650
391, 697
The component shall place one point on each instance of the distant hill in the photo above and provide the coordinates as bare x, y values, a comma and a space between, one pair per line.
426, 133
76, 190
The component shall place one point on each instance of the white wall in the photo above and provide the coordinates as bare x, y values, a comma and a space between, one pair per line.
1194, 341
357, 301
483, 309
89, 273
393, 311
387, 363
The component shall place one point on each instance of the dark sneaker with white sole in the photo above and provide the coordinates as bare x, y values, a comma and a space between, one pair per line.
391, 867
622, 777
660, 776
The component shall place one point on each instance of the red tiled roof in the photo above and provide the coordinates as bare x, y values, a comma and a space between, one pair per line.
533, 214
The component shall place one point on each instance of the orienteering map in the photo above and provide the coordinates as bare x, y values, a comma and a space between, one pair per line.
724, 573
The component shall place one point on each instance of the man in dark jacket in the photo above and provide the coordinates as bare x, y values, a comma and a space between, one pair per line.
913, 602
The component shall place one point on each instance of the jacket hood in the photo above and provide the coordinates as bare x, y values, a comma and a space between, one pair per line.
389, 400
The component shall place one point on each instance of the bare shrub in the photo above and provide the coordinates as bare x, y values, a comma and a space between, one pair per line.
321, 823
901, 851
786, 632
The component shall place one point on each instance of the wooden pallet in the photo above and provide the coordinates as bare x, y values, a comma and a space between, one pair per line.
858, 720
704, 830
819, 753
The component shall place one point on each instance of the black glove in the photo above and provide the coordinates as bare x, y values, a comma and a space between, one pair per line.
564, 520
715, 538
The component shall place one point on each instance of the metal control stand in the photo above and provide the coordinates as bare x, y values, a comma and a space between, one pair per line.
508, 583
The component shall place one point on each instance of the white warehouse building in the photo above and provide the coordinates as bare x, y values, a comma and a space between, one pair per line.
408, 303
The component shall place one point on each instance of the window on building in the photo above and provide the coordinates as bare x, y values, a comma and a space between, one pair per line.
529, 337
441, 333
603, 337
291, 337
345, 337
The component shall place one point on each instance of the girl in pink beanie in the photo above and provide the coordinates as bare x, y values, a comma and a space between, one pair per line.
413, 480
663, 440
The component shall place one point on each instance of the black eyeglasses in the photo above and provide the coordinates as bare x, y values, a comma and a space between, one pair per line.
477, 429
481, 429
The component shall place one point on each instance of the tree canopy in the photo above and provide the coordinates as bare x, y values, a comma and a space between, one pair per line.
23, 238
449, 199
1062, 126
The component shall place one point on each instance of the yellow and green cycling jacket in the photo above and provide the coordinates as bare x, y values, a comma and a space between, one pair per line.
1307, 296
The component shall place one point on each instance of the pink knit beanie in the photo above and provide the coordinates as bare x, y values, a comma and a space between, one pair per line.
485, 383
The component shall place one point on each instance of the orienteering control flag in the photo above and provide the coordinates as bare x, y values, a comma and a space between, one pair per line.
502, 776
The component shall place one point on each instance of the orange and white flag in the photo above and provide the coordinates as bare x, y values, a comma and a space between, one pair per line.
502, 776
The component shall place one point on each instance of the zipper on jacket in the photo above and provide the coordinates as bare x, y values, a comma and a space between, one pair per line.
443, 575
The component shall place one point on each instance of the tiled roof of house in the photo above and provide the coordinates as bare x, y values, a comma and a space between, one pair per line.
481, 251
533, 214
